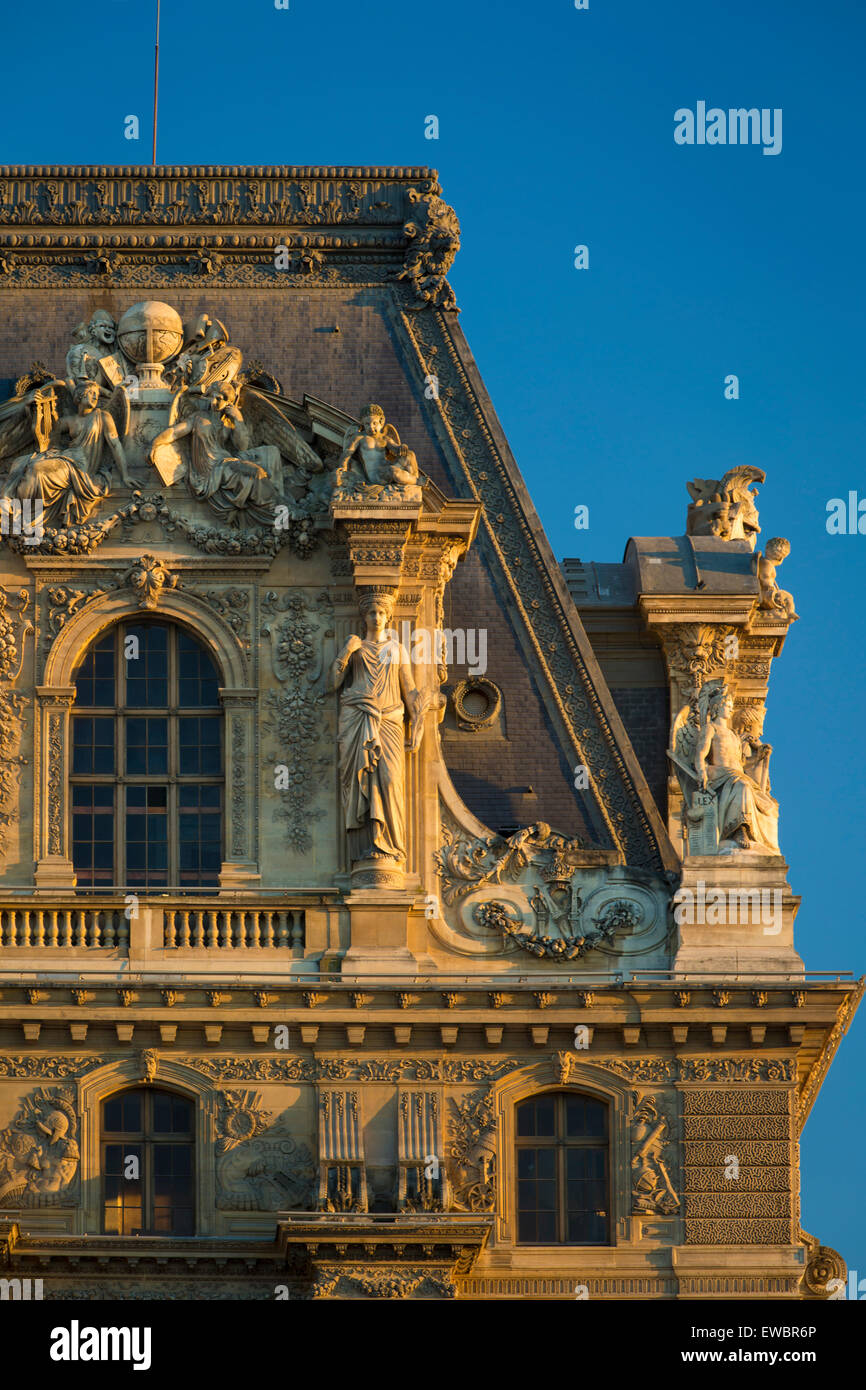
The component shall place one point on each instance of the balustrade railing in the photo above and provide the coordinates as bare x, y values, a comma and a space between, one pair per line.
234, 928
77, 926
183, 925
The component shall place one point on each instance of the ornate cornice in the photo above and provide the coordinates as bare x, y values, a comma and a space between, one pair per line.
821, 1065
134, 225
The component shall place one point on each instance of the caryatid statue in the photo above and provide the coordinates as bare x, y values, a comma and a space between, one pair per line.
377, 687
723, 776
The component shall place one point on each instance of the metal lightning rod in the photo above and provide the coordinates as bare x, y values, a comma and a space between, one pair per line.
155, 82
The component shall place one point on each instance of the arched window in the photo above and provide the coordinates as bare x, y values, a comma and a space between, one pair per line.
147, 1164
563, 1194
147, 762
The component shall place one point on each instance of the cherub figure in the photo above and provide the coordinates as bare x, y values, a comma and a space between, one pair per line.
772, 597
95, 355
377, 453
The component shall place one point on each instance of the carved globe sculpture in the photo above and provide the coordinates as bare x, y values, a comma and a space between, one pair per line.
149, 334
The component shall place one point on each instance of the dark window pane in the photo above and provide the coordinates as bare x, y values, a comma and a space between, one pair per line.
182, 1116
584, 1117
146, 746
94, 683
562, 1182
546, 1162
200, 747
132, 1113
526, 1163
112, 1114
93, 835
146, 843
161, 1114
145, 660
92, 745
526, 1229
526, 1119
545, 1116
546, 1228
198, 679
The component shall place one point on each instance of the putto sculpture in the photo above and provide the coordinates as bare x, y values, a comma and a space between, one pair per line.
774, 599
374, 463
723, 778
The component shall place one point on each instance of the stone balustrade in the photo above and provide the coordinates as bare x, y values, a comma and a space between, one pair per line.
78, 925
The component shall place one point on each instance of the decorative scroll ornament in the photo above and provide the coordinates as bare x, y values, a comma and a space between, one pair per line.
296, 712
652, 1189
39, 1151
148, 578
467, 864
823, 1264
241, 1117
621, 915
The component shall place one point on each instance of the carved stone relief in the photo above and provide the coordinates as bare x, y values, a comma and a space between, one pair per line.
39, 1151
296, 712
13, 631
261, 1167
724, 778
652, 1189
472, 1152
538, 891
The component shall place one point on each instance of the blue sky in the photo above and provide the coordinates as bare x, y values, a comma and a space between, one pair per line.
556, 129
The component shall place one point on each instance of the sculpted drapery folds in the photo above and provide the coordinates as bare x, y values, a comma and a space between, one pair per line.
153, 392
224, 470
71, 480
375, 676
724, 777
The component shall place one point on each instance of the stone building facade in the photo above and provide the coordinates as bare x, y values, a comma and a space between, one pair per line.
385, 909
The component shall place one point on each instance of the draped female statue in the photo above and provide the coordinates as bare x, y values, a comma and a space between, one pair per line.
378, 689
70, 480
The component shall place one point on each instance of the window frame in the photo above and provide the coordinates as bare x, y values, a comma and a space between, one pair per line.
147, 1141
120, 780
561, 1143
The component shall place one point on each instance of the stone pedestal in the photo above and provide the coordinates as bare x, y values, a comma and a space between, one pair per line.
734, 914
381, 936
